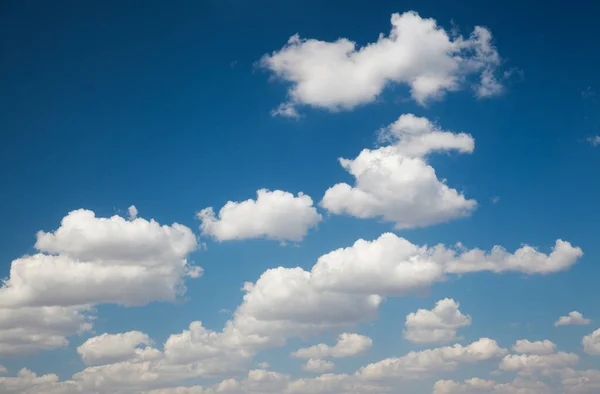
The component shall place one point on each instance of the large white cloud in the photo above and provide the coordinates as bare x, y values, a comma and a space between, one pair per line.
436, 325
348, 345
388, 265
274, 215
591, 343
573, 319
112, 348
417, 364
417, 52
391, 265
50, 295
266, 304
94, 260
530, 363
400, 189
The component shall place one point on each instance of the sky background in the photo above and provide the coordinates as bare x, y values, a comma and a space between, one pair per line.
109, 104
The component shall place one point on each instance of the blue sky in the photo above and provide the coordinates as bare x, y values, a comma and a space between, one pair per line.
170, 108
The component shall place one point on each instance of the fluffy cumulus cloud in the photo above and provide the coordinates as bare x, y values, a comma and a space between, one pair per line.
573, 319
581, 382
391, 265
88, 260
416, 136
591, 343
526, 259
537, 347
275, 215
417, 53
111, 348
527, 364
418, 364
388, 265
266, 305
436, 325
348, 345
396, 183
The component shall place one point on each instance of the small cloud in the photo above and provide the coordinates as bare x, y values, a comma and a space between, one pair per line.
264, 365
595, 140
286, 110
572, 319
233, 63
133, 212
495, 199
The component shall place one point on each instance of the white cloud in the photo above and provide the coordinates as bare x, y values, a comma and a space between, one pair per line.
266, 306
417, 364
389, 265
3, 369
436, 325
397, 188
581, 382
274, 215
525, 259
112, 348
286, 110
415, 136
27, 382
527, 364
417, 52
88, 260
94, 260
348, 345
573, 319
591, 343
318, 365
263, 365
538, 347
29, 329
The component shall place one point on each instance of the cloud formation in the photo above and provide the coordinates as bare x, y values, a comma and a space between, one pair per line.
573, 319
436, 325
396, 183
275, 215
416, 53
591, 343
